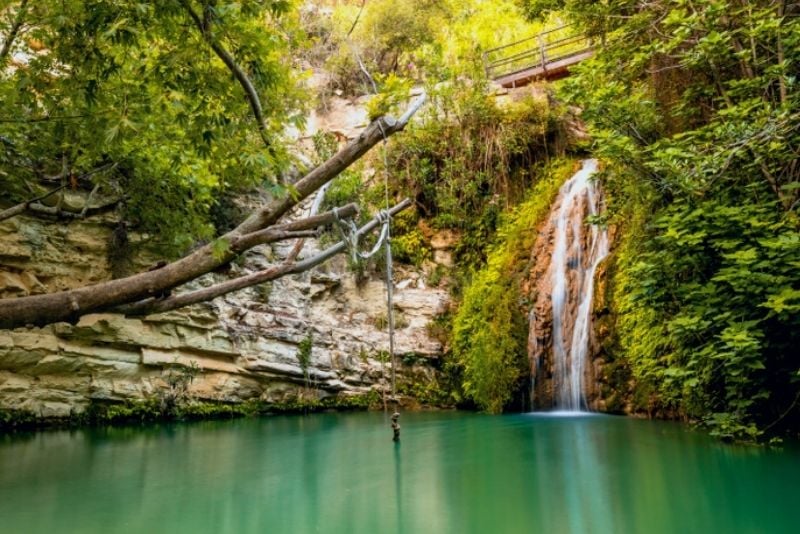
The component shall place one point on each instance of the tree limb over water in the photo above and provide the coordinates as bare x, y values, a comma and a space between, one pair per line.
261, 226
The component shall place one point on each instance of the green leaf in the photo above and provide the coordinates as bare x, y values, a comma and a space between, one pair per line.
787, 300
220, 248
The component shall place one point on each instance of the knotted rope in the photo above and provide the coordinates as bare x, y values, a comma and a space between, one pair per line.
349, 234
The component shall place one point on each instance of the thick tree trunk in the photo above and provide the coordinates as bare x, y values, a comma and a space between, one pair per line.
70, 305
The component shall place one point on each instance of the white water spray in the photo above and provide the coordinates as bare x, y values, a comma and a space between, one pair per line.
577, 251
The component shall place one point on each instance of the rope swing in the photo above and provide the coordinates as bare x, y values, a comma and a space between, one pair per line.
349, 233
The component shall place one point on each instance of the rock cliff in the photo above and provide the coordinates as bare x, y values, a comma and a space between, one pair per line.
246, 345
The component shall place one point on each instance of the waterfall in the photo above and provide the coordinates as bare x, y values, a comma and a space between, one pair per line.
577, 250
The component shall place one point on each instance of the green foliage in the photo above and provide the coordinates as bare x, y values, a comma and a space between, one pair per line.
149, 411
426, 390
695, 110
227, 212
325, 146
539, 8
220, 247
492, 353
344, 189
381, 321
411, 247
490, 329
440, 327
11, 420
709, 310
466, 168
130, 412
425, 41
437, 275
134, 89
409, 244
304, 349
393, 92
178, 379
383, 40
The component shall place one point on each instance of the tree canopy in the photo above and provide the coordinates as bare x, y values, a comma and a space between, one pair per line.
138, 99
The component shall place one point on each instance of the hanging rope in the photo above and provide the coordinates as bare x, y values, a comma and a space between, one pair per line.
351, 239
389, 273
390, 292
349, 234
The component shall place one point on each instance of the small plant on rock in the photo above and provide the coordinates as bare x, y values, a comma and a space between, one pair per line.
177, 392
304, 349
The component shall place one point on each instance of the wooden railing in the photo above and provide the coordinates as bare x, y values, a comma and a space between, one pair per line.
553, 47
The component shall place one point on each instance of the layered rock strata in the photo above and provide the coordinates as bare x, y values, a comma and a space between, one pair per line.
246, 344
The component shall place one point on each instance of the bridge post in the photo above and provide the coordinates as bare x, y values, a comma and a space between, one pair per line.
542, 53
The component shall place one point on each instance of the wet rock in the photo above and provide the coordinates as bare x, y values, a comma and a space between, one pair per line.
552, 333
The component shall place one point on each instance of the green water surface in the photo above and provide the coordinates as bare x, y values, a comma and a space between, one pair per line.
340, 473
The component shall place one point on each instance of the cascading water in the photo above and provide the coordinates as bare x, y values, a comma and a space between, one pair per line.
577, 250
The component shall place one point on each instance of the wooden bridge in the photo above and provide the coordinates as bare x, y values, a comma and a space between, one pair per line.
546, 56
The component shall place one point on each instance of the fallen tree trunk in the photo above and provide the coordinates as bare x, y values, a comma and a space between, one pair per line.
69, 305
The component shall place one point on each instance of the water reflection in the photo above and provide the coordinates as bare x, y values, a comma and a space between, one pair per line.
342, 473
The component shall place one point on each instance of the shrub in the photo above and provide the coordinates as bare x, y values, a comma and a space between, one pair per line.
490, 329
466, 167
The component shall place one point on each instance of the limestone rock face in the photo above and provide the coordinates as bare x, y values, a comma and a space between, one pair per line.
246, 344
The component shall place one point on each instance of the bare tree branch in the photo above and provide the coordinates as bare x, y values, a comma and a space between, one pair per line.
85, 209
24, 206
59, 211
34, 205
204, 25
269, 235
315, 207
358, 17
60, 177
